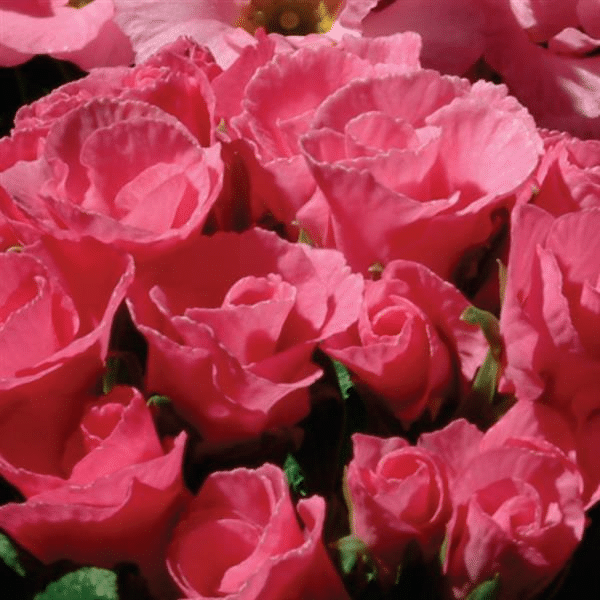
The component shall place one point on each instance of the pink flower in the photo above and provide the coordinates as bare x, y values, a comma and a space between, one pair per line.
125, 155
550, 322
518, 507
55, 331
426, 164
568, 178
241, 539
225, 27
99, 486
399, 494
81, 31
452, 31
268, 109
547, 53
409, 342
232, 321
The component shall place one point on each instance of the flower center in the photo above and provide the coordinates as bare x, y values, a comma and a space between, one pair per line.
286, 17
78, 3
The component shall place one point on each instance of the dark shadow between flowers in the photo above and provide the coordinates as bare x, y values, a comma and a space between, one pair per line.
27, 82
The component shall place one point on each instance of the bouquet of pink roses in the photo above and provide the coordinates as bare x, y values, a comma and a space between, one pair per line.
300, 300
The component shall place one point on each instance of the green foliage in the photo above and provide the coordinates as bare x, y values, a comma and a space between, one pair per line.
88, 583
353, 553
158, 400
488, 590
295, 476
343, 377
502, 274
487, 376
10, 556
111, 373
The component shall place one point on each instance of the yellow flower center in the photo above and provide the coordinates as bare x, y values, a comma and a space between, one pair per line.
287, 17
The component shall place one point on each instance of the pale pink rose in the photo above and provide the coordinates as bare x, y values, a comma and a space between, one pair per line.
398, 494
409, 344
547, 53
268, 109
241, 538
231, 344
452, 30
80, 31
550, 322
99, 487
517, 498
127, 156
422, 167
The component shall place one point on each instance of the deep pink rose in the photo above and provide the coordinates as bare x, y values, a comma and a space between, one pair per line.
399, 494
452, 30
550, 322
57, 302
517, 498
125, 155
242, 539
99, 489
547, 53
268, 109
409, 344
568, 178
232, 321
425, 163
81, 31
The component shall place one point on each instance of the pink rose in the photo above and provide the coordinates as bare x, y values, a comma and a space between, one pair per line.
428, 165
120, 155
231, 344
547, 53
517, 498
452, 31
568, 178
409, 344
55, 331
99, 489
267, 110
241, 538
399, 494
550, 322
81, 31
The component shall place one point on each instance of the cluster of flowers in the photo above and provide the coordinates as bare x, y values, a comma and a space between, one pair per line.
192, 248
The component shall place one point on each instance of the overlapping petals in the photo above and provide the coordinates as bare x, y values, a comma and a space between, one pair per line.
232, 345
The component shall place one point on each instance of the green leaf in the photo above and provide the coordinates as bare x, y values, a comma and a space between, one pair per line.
109, 379
158, 400
343, 377
488, 590
444, 549
351, 550
295, 476
10, 556
303, 237
88, 583
502, 278
488, 323
486, 380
